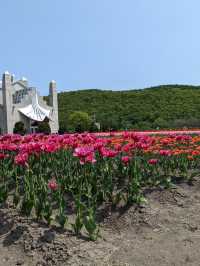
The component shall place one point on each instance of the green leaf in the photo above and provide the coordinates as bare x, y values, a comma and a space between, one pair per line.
61, 220
27, 206
3, 194
16, 198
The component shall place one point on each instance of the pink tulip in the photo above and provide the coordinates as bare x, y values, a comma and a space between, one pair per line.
52, 185
21, 159
153, 161
165, 152
126, 159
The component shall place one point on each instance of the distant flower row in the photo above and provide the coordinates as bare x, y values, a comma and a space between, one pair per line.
149, 132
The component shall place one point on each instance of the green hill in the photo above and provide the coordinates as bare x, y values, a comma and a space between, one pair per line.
168, 106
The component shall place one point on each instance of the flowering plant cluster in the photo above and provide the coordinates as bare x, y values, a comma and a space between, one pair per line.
88, 171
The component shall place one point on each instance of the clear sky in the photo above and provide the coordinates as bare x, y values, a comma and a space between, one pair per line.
105, 44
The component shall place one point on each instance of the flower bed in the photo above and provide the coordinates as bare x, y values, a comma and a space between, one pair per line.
45, 174
149, 132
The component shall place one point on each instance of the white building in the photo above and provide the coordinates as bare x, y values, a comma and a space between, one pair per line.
21, 103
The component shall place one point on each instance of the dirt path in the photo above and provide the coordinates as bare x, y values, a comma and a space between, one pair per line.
165, 232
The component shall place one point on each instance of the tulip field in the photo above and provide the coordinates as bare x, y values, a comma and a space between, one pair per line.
46, 175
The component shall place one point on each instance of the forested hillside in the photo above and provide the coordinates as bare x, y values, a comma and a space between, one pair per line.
169, 106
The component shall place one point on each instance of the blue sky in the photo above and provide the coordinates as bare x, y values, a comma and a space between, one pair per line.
105, 44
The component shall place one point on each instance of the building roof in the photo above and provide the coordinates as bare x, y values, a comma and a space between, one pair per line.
34, 111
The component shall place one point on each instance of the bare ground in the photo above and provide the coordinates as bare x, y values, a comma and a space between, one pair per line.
164, 232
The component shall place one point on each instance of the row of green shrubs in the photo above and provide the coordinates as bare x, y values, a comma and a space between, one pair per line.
43, 127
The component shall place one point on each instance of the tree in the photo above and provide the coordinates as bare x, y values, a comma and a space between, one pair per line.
43, 127
160, 123
188, 123
19, 128
150, 108
62, 127
79, 121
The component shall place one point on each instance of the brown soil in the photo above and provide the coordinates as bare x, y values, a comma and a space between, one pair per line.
164, 232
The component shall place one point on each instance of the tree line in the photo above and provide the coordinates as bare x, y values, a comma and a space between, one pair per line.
167, 106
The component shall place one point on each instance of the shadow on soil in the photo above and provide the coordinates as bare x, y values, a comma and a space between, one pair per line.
5, 223
14, 235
